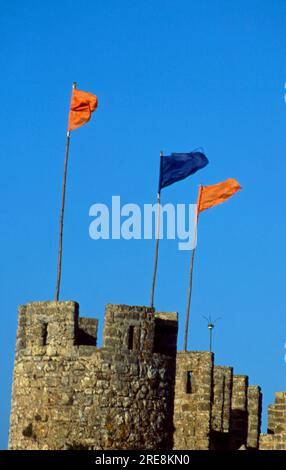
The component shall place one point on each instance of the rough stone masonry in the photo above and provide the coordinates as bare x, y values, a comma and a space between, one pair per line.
135, 392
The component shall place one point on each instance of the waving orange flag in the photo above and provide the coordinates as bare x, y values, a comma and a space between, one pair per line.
82, 105
210, 196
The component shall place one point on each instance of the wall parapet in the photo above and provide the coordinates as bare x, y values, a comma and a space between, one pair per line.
134, 392
124, 390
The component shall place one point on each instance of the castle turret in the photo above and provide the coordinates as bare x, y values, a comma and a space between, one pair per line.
67, 393
135, 392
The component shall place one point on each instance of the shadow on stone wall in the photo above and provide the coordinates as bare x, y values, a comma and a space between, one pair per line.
238, 430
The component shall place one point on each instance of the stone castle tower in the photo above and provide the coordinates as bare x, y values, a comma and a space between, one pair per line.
135, 392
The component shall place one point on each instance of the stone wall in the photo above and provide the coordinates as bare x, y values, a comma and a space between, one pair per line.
69, 394
135, 392
193, 396
221, 407
239, 418
254, 409
214, 409
275, 439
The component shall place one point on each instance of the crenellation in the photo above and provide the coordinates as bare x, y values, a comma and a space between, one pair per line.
254, 408
192, 408
275, 439
134, 392
78, 388
239, 415
49, 324
165, 334
21, 341
86, 333
129, 328
221, 407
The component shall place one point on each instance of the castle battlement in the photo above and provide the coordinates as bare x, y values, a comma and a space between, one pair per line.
68, 393
56, 327
134, 392
275, 439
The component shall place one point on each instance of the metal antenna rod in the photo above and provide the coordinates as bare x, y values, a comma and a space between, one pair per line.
211, 325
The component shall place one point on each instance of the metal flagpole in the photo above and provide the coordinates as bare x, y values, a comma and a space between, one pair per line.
157, 236
191, 276
60, 250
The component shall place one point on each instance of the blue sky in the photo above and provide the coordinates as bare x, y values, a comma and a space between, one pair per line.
171, 76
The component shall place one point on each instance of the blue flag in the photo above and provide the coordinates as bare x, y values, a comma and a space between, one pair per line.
177, 166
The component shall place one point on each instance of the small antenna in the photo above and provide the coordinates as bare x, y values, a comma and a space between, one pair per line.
211, 325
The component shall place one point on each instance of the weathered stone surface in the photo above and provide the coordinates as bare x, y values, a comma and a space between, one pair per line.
239, 414
221, 407
275, 439
67, 393
254, 408
222, 392
192, 409
135, 392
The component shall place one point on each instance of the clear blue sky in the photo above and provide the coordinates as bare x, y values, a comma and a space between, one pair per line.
171, 76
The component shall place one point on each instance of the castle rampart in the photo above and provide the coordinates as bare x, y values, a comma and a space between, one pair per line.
134, 392
67, 393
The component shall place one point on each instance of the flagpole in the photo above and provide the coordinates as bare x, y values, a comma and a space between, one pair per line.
157, 236
189, 299
60, 249
191, 275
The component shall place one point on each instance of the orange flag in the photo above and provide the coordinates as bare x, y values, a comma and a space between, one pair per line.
210, 196
82, 105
